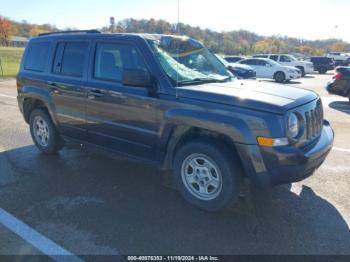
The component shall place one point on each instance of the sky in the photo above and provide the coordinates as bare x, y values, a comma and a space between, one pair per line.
307, 19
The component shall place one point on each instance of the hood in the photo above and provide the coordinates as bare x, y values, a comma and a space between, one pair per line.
246, 67
304, 62
291, 67
254, 95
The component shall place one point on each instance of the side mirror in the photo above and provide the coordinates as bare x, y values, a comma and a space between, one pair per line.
137, 77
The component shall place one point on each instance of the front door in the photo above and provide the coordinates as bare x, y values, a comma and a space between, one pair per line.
119, 117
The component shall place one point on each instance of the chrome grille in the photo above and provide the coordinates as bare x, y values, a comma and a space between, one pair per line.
314, 121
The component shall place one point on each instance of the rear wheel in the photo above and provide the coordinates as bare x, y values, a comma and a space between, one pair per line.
207, 174
43, 132
280, 77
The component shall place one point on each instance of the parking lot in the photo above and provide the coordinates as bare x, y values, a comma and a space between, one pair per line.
91, 203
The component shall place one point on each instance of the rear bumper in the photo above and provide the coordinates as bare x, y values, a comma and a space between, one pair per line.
325, 66
287, 164
337, 89
20, 103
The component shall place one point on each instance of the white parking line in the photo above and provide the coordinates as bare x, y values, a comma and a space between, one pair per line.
3, 95
341, 149
37, 240
326, 100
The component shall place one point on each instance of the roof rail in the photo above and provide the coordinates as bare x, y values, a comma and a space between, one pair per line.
91, 31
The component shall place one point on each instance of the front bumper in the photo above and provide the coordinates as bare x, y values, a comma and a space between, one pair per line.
309, 69
283, 165
291, 76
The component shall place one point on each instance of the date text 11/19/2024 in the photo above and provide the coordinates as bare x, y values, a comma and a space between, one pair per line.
173, 258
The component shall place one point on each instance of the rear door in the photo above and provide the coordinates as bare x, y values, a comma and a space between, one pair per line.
258, 67
67, 81
121, 118
284, 60
267, 69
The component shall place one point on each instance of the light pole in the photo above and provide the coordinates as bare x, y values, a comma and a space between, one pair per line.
335, 31
112, 24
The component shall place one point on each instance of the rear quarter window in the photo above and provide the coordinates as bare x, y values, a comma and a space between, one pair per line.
36, 57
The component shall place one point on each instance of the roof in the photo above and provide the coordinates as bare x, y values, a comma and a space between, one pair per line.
74, 33
19, 39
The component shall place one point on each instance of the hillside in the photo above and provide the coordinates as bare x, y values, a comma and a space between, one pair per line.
233, 42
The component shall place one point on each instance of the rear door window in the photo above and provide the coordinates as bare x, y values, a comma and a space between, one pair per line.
260, 62
249, 62
284, 58
274, 57
37, 56
70, 58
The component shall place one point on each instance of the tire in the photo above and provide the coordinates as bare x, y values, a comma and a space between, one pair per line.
279, 77
322, 70
43, 132
210, 166
302, 70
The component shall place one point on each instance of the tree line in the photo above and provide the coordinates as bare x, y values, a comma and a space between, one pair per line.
238, 42
241, 42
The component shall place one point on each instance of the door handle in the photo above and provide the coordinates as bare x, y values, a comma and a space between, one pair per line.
54, 87
95, 94
50, 83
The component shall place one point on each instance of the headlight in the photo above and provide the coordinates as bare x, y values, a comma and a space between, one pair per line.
293, 126
290, 70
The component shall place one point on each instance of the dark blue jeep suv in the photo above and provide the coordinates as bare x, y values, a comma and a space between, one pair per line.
167, 100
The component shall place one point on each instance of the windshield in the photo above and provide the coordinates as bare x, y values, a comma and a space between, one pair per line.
186, 61
273, 62
292, 58
222, 60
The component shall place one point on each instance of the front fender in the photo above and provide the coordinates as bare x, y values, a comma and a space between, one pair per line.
239, 125
235, 128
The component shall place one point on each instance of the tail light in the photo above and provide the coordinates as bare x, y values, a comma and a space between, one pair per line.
338, 75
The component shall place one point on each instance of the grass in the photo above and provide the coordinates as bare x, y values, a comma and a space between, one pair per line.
10, 58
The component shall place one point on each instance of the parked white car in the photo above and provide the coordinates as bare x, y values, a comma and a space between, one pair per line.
339, 58
267, 68
305, 67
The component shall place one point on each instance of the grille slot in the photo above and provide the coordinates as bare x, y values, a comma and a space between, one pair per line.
313, 121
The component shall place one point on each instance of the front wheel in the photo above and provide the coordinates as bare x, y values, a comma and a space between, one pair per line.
44, 133
207, 174
280, 77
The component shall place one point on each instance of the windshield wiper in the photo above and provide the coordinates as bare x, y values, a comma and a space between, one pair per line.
197, 81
